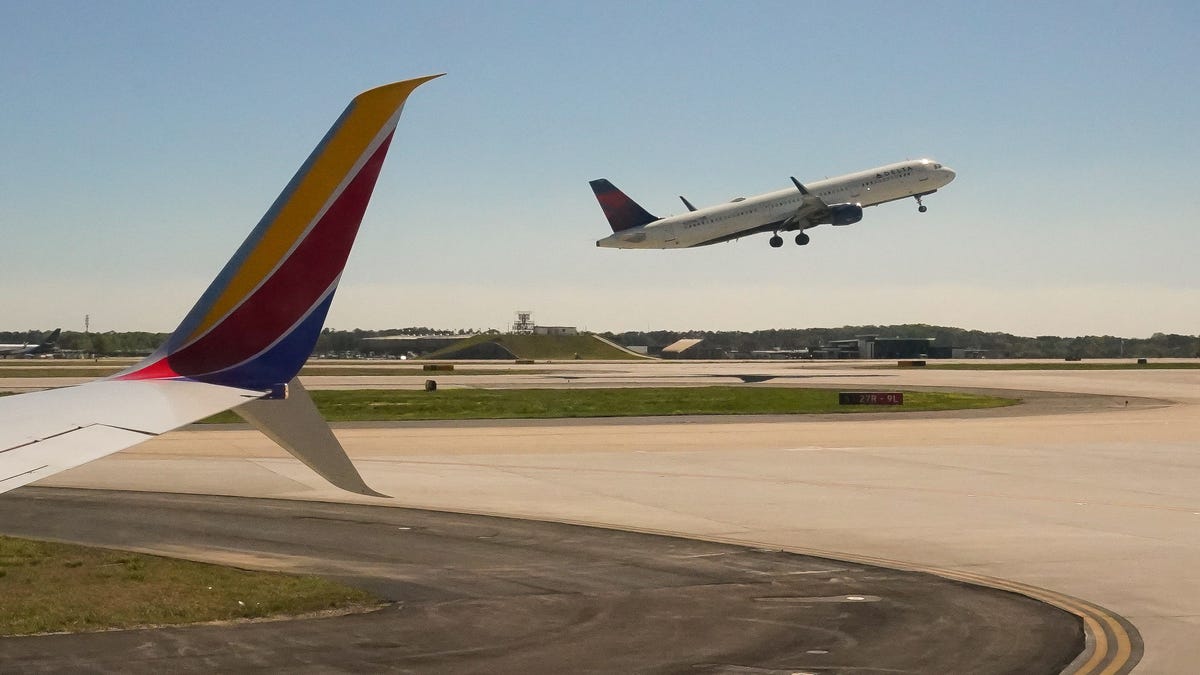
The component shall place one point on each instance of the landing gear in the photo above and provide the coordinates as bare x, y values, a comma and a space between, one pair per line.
776, 241
801, 239
921, 208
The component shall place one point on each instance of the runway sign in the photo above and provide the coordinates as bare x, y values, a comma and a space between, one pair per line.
870, 398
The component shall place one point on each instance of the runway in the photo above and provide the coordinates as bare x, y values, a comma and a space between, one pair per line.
476, 594
1096, 505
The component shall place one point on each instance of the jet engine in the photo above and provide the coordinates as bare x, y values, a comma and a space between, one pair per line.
845, 214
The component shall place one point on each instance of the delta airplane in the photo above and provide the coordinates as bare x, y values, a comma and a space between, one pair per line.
242, 344
837, 201
46, 346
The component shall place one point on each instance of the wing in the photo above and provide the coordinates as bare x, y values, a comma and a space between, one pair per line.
50, 431
247, 336
812, 210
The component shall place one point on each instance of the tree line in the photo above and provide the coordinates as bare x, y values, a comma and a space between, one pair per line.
995, 345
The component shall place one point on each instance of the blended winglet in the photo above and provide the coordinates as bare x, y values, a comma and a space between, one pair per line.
245, 339
622, 212
258, 321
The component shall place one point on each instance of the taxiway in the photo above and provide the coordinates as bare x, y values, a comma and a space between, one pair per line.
1095, 506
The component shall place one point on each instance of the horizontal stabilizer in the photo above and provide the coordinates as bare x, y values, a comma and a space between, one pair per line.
297, 426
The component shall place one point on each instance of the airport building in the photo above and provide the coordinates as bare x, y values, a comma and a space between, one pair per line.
691, 348
875, 347
555, 330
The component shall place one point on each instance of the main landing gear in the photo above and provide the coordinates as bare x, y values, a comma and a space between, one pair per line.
776, 241
921, 208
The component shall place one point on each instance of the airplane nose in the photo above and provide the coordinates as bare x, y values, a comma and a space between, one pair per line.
948, 173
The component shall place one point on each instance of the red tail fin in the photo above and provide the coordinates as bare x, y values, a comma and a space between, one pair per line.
621, 211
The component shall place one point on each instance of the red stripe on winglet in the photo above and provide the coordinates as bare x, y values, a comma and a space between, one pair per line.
292, 290
159, 370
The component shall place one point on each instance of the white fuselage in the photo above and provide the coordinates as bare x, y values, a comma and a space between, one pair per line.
759, 214
17, 350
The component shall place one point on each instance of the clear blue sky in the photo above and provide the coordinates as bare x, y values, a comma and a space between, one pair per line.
142, 141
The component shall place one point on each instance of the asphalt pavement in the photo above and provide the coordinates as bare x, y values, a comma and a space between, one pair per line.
475, 594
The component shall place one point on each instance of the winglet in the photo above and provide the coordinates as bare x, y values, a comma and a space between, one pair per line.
296, 425
686, 203
257, 323
803, 190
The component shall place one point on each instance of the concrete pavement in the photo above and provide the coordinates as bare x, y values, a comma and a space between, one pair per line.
1100, 505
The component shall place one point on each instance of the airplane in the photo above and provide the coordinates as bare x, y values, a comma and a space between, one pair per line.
243, 343
837, 201
46, 346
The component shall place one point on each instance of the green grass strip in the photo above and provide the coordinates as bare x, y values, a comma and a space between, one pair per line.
58, 371
460, 404
541, 347
49, 587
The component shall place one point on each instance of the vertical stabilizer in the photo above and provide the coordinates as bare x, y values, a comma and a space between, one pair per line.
48, 345
621, 211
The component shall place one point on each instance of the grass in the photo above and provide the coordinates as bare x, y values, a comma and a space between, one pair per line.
542, 347
58, 371
459, 404
48, 587
385, 371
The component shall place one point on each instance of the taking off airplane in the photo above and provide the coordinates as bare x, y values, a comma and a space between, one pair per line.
836, 201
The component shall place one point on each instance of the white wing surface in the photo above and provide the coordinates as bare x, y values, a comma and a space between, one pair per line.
50, 431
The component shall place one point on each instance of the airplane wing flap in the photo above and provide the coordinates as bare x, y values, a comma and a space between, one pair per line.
811, 208
53, 430
150, 406
38, 459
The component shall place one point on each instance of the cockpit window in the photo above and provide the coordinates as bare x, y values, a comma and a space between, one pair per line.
937, 166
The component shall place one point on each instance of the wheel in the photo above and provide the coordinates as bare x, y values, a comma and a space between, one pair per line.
776, 241
922, 208
801, 239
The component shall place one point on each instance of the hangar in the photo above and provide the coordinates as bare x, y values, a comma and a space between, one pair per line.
875, 347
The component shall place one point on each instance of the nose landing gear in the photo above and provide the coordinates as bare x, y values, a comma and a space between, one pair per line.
921, 208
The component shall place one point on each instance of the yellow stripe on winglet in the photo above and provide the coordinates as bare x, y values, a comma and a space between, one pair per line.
369, 113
